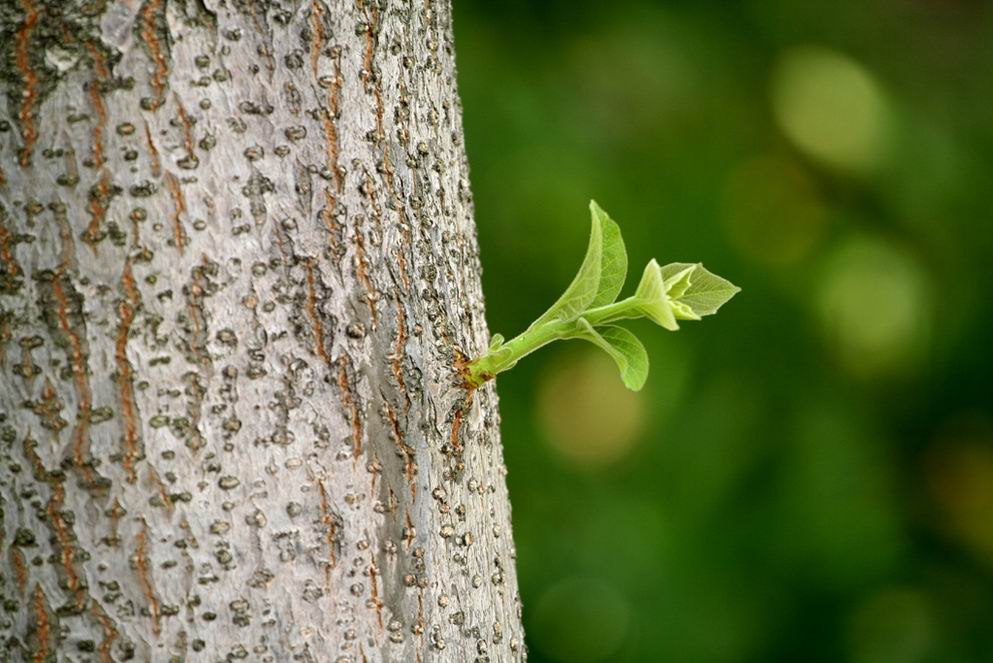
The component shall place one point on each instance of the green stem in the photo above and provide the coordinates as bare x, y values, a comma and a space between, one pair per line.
504, 357
486, 366
622, 310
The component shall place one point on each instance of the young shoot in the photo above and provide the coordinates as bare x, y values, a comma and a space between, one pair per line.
589, 310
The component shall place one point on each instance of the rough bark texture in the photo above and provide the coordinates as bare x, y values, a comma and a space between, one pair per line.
238, 269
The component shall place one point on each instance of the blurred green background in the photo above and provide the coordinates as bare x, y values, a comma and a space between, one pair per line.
807, 476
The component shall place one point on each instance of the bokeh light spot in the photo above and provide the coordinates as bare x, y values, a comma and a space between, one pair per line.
587, 414
830, 107
873, 305
772, 210
580, 620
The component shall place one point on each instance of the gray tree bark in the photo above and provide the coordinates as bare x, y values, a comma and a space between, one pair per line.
238, 273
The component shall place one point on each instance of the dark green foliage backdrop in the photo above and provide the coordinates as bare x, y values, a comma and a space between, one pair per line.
807, 476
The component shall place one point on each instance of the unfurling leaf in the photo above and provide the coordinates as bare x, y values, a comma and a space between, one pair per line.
677, 280
704, 293
623, 347
651, 298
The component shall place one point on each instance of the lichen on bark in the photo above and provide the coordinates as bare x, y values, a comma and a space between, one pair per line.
238, 267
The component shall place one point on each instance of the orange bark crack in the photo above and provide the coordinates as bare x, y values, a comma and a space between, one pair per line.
126, 311
408, 538
43, 625
148, 33
331, 147
187, 127
317, 38
160, 488
23, 63
362, 270
20, 569
377, 91
109, 633
180, 208
141, 566
100, 67
312, 313
370, 44
153, 151
81, 432
37, 466
64, 538
81, 380
7, 251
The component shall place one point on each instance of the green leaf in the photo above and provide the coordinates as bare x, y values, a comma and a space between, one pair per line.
651, 300
705, 293
623, 347
672, 271
613, 260
584, 286
677, 281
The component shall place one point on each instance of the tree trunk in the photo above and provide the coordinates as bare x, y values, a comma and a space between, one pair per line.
238, 271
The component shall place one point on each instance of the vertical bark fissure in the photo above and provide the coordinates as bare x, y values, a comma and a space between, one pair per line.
235, 427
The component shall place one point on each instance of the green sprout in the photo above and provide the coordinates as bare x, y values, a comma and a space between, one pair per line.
587, 309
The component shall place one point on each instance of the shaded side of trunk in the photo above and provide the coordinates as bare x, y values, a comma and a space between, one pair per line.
238, 269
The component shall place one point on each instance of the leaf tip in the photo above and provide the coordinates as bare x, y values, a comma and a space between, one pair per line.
635, 383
